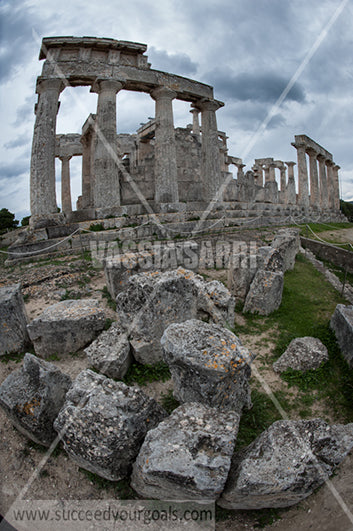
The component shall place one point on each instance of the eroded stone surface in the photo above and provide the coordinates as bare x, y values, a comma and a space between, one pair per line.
154, 300
32, 397
342, 324
302, 354
287, 243
103, 424
208, 364
285, 464
265, 293
13, 320
188, 455
66, 326
110, 352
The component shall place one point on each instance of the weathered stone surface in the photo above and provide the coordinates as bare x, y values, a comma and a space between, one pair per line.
32, 397
285, 464
265, 293
110, 352
208, 364
66, 326
342, 324
302, 354
103, 424
270, 259
188, 455
154, 300
13, 319
287, 243
241, 273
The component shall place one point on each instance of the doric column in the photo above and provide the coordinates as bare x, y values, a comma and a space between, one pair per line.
314, 179
266, 168
272, 175
43, 196
210, 161
166, 182
323, 183
66, 205
106, 191
291, 195
258, 178
303, 188
195, 121
336, 184
330, 184
87, 141
283, 171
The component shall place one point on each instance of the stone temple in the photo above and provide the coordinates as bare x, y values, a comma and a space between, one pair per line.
160, 169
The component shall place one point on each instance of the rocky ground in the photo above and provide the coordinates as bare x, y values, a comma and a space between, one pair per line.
73, 277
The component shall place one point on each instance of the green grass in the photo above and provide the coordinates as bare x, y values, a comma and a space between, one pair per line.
324, 227
141, 374
168, 402
17, 358
110, 301
96, 227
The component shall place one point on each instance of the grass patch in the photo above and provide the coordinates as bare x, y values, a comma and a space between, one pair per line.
110, 301
96, 227
168, 402
141, 374
17, 358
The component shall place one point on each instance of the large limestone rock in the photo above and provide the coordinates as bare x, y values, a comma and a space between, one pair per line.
270, 259
188, 455
241, 272
103, 424
342, 324
32, 397
302, 354
285, 464
66, 326
208, 365
152, 301
265, 293
287, 243
110, 353
13, 320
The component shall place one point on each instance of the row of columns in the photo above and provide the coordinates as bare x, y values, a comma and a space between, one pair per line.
104, 191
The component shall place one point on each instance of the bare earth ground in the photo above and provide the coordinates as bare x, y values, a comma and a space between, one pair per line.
59, 478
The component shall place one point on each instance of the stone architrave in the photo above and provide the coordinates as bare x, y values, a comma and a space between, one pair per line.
323, 182
13, 318
314, 179
166, 181
43, 196
303, 188
291, 194
106, 190
66, 205
210, 157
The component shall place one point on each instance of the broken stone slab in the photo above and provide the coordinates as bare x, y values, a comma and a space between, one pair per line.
154, 300
342, 325
287, 243
110, 353
13, 318
265, 293
270, 259
285, 464
32, 397
103, 423
188, 455
302, 354
208, 365
66, 326
241, 272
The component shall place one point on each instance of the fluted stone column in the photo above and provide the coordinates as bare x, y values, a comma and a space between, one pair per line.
106, 191
166, 183
323, 183
210, 161
43, 196
272, 175
330, 184
291, 194
266, 169
283, 171
195, 122
314, 178
336, 186
88, 142
303, 188
66, 205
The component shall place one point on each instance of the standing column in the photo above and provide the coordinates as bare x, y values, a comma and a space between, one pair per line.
283, 181
330, 185
210, 160
314, 179
291, 195
106, 191
166, 177
266, 168
303, 188
258, 174
86, 170
43, 196
323, 183
272, 175
66, 205
195, 122
336, 185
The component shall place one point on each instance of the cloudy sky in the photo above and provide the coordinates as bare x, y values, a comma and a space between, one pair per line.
248, 50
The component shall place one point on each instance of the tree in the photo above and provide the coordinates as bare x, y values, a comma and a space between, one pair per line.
7, 220
25, 221
347, 209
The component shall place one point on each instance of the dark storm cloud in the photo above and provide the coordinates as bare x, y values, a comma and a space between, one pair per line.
248, 116
178, 63
263, 87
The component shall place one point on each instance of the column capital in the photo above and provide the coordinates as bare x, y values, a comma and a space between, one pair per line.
290, 164
44, 85
65, 157
321, 157
311, 152
209, 105
336, 167
299, 145
108, 85
329, 162
163, 92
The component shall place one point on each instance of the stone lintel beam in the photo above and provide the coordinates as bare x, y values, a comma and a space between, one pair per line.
310, 143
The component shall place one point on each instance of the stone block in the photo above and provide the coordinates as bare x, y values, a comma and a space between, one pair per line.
13, 318
32, 397
188, 455
287, 243
342, 324
66, 326
265, 293
302, 354
110, 353
285, 464
208, 365
103, 423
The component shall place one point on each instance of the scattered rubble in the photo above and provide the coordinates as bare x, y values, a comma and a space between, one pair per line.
302, 354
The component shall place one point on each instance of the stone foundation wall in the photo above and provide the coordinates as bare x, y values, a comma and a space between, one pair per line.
337, 256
